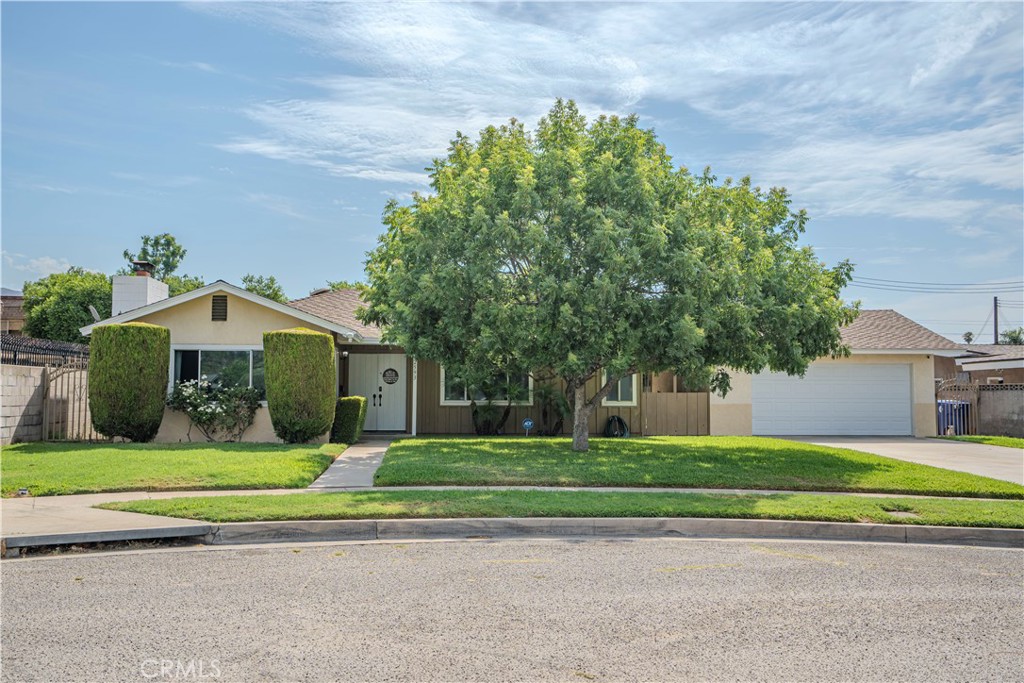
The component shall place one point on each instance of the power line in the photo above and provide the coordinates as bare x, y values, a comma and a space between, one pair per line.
933, 290
944, 284
989, 317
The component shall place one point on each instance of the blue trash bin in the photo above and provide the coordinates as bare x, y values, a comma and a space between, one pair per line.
955, 414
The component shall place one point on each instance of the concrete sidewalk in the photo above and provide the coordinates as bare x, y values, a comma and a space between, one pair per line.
74, 514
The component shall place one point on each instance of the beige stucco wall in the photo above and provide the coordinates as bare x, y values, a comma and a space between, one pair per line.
733, 414
174, 429
190, 322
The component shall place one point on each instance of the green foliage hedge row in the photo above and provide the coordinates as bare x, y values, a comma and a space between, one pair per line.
349, 418
128, 366
300, 379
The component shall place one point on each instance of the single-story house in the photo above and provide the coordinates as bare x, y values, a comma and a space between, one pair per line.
884, 388
985, 364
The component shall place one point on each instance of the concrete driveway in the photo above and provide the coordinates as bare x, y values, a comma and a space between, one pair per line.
997, 462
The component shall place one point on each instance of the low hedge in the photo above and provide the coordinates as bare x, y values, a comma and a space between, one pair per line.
349, 418
300, 379
128, 370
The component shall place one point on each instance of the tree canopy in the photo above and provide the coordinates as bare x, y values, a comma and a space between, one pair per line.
264, 286
1014, 336
344, 284
162, 250
56, 306
581, 247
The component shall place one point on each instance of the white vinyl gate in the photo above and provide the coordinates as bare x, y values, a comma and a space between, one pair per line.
835, 399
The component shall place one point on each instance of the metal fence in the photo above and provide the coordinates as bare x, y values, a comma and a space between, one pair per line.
956, 399
16, 350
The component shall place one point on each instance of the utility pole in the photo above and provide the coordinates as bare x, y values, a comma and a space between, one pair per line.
995, 319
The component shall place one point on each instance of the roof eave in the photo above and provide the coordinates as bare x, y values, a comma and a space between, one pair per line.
951, 353
221, 286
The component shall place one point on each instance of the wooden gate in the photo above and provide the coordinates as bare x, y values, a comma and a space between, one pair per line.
66, 403
956, 400
670, 410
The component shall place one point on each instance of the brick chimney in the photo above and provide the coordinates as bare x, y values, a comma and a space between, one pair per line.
138, 289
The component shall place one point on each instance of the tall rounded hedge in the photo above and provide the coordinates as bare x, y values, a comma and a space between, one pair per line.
128, 379
300, 376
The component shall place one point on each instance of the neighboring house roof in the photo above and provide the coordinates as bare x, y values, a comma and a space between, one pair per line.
340, 306
221, 286
887, 330
990, 349
994, 357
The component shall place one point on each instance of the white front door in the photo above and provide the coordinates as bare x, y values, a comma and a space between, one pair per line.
380, 377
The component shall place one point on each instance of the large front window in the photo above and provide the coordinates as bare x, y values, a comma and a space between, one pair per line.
228, 367
455, 393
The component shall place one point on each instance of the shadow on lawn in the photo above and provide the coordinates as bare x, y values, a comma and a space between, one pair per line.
651, 461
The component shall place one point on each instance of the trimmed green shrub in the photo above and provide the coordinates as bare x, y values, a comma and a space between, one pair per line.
128, 379
300, 378
349, 418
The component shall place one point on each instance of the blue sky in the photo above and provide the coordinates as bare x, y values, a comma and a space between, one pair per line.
267, 137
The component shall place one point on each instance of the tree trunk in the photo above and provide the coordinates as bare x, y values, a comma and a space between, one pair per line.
581, 419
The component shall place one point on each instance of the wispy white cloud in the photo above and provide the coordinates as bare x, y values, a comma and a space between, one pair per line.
860, 109
35, 267
157, 181
276, 204
198, 66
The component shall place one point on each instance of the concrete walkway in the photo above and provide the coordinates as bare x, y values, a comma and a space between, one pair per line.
355, 467
997, 462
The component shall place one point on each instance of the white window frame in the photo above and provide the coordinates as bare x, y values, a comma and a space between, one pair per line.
620, 404
211, 347
466, 402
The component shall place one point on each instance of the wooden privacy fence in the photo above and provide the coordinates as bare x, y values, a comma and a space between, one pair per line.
956, 400
669, 409
66, 403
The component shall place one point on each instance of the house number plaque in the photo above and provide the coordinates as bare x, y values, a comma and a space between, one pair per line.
390, 376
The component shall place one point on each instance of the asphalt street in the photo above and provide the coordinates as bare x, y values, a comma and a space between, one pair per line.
562, 610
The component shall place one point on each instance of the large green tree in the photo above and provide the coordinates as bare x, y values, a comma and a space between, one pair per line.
164, 252
582, 251
267, 287
56, 306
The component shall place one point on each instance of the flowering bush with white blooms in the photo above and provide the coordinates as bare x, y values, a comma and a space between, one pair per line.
220, 413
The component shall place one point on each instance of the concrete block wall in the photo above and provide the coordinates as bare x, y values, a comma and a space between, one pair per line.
21, 403
1001, 410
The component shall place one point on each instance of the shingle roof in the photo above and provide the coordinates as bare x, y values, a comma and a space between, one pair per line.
339, 306
886, 329
992, 349
995, 352
872, 330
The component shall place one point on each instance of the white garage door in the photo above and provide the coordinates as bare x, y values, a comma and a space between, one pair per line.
835, 399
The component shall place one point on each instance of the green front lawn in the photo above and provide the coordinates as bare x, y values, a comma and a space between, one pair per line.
49, 469
1007, 441
662, 461
455, 504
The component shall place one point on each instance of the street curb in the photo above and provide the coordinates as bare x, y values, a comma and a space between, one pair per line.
108, 536
540, 527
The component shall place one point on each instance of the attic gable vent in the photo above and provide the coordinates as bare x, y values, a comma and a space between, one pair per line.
220, 307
